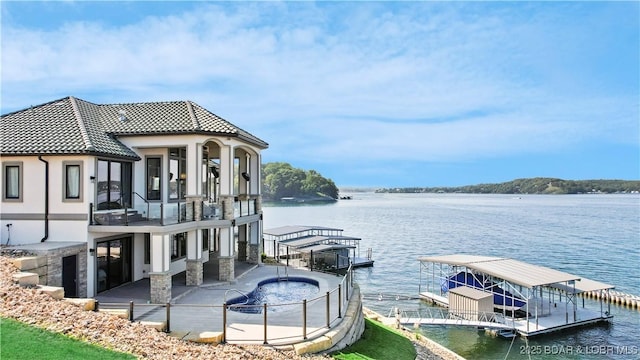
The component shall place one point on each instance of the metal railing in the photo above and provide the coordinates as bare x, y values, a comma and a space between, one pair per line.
316, 316
245, 205
162, 213
458, 317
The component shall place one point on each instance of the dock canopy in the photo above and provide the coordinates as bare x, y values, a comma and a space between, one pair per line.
520, 273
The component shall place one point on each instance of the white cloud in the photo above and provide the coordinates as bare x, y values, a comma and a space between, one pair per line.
423, 81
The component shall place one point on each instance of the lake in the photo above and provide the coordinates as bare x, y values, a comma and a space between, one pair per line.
595, 236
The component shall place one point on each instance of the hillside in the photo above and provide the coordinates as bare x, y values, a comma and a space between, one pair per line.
532, 186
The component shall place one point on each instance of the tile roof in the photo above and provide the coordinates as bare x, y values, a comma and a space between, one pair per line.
75, 126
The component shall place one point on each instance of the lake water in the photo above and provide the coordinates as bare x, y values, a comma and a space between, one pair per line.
595, 236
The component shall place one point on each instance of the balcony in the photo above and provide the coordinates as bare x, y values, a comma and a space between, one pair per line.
161, 214
155, 214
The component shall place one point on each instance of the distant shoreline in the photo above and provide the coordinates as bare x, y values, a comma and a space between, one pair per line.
532, 186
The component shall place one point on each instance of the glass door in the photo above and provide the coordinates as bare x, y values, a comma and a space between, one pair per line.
113, 263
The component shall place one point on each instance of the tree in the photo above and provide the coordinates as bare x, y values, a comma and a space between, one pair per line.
283, 180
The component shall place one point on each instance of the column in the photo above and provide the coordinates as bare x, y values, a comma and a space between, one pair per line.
242, 242
194, 274
160, 276
254, 243
226, 271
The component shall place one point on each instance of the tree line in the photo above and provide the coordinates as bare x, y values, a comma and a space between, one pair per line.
539, 185
281, 180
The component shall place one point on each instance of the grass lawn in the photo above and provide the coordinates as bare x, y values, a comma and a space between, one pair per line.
21, 341
378, 342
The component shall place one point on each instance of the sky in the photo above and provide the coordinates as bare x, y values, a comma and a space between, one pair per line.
371, 94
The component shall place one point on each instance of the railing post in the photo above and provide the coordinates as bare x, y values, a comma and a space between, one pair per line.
96, 307
224, 323
304, 319
328, 311
131, 311
168, 318
91, 214
162, 214
346, 284
265, 323
339, 300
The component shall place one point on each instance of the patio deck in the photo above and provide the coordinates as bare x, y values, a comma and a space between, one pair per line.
197, 309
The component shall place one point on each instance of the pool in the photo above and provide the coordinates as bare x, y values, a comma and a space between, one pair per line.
275, 292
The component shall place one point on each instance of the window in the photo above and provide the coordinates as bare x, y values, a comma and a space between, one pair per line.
177, 173
154, 178
72, 181
178, 246
205, 239
114, 185
147, 248
12, 173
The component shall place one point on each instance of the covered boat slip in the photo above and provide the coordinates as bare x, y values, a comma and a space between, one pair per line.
531, 299
314, 247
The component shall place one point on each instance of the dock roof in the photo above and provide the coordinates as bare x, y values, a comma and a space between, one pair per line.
518, 272
311, 240
293, 229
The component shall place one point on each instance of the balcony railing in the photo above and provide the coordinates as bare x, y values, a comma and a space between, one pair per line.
155, 213
245, 205
149, 213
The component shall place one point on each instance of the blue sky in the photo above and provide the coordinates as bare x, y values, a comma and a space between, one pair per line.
379, 94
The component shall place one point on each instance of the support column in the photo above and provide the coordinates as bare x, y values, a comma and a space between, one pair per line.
226, 258
242, 242
160, 276
194, 274
193, 205
226, 271
254, 243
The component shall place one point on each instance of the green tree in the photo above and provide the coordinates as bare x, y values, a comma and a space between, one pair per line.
280, 180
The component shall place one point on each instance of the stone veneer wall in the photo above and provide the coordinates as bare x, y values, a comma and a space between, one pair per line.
242, 251
254, 254
54, 266
227, 270
160, 284
194, 272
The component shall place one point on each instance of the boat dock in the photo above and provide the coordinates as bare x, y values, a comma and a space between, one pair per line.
315, 247
529, 299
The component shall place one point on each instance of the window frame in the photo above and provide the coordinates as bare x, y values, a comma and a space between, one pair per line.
149, 182
178, 164
125, 180
178, 246
5, 174
205, 240
65, 174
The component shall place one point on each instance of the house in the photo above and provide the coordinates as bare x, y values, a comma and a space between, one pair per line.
114, 193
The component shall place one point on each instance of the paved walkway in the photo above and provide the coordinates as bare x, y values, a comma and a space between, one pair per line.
196, 309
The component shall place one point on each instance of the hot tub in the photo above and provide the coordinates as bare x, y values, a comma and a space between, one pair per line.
274, 291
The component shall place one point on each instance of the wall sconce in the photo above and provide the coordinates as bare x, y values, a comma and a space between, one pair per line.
92, 252
92, 178
246, 176
183, 176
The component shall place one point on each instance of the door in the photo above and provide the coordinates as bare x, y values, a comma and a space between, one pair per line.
70, 276
113, 263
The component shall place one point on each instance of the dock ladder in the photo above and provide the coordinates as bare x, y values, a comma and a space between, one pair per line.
285, 276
